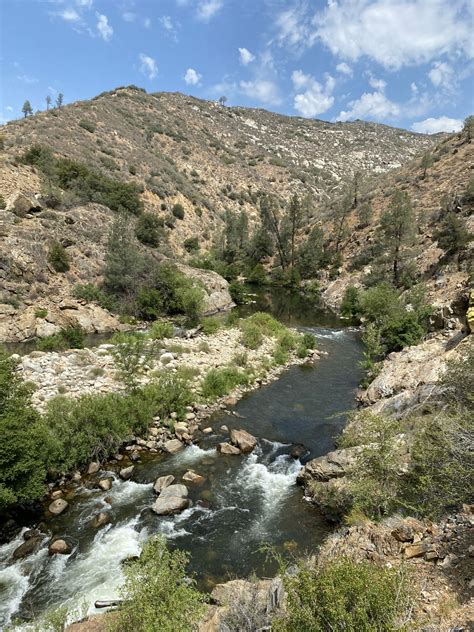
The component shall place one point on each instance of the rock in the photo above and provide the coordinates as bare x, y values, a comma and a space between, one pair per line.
403, 533
298, 451
56, 494
105, 484
21, 204
172, 499
166, 358
180, 429
31, 533
227, 448
172, 446
417, 550
230, 401
332, 465
190, 416
101, 519
27, 548
126, 472
162, 482
224, 428
93, 468
58, 506
207, 430
59, 546
192, 477
243, 440
134, 456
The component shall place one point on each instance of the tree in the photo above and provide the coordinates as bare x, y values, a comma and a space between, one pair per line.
469, 126
59, 100
341, 215
48, 102
311, 254
427, 161
223, 100
124, 263
453, 236
397, 226
271, 221
356, 187
150, 229
27, 109
293, 219
365, 214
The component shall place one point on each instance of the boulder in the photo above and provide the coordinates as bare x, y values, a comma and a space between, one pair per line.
59, 547
101, 519
207, 430
56, 494
162, 482
93, 468
298, 450
126, 472
172, 446
417, 550
28, 547
21, 204
227, 448
105, 484
172, 499
58, 506
31, 533
180, 429
332, 465
243, 440
192, 477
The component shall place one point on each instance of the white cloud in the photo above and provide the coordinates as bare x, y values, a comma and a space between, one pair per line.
377, 84
128, 16
245, 56
104, 28
8, 108
207, 9
27, 79
442, 76
192, 77
84, 3
344, 69
394, 33
148, 66
263, 90
316, 98
414, 88
166, 22
435, 125
147, 23
371, 105
69, 15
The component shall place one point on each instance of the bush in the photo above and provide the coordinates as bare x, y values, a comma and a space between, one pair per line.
219, 382
191, 244
90, 126
178, 211
40, 312
346, 595
132, 354
55, 342
171, 393
3, 204
150, 229
92, 294
158, 594
350, 307
161, 329
58, 257
252, 336
211, 326
237, 292
74, 336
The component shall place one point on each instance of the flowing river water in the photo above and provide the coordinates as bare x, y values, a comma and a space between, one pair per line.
244, 502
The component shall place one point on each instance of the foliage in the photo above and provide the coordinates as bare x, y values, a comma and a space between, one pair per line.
71, 337
158, 593
150, 229
397, 227
132, 354
54, 342
350, 302
252, 336
22, 468
161, 329
178, 211
237, 292
3, 204
453, 235
258, 275
92, 294
124, 264
90, 126
58, 257
191, 244
210, 325
27, 109
219, 382
345, 596
169, 393
41, 312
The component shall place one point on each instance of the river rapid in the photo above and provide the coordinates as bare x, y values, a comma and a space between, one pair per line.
244, 502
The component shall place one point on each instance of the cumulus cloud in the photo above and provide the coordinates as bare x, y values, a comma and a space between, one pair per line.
436, 125
86, 4
104, 28
371, 105
313, 98
128, 16
207, 9
394, 33
245, 56
148, 66
344, 68
69, 15
191, 77
263, 90
377, 84
442, 76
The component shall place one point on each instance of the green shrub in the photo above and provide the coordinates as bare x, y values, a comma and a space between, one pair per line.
280, 356
178, 211
150, 229
58, 257
132, 354
90, 126
92, 294
219, 382
237, 292
252, 336
170, 393
40, 312
191, 244
3, 204
240, 359
346, 596
74, 336
210, 325
158, 593
161, 329
55, 342
350, 307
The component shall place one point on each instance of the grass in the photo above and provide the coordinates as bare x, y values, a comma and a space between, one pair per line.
219, 382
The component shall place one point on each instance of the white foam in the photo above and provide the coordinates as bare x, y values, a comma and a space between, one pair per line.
192, 454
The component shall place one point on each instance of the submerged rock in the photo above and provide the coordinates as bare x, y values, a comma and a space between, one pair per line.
101, 519
243, 440
28, 547
298, 450
59, 546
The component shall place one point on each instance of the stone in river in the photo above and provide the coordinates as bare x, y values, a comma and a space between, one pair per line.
192, 477
162, 482
243, 440
298, 450
173, 445
227, 448
59, 546
105, 484
101, 519
27, 548
172, 499
126, 472
93, 468
58, 506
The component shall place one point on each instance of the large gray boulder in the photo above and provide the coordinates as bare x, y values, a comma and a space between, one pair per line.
243, 440
58, 506
332, 465
162, 482
172, 499
21, 204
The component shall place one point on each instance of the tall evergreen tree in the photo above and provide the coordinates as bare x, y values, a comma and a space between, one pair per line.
48, 102
27, 109
59, 100
397, 225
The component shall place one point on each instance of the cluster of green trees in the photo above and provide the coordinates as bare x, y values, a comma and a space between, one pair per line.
27, 110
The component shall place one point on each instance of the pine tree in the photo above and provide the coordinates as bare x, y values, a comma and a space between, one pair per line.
59, 100
397, 225
426, 162
27, 109
453, 236
48, 102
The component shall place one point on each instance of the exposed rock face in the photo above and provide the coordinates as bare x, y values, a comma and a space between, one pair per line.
243, 440
216, 288
227, 448
172, 499
162, 482
332, 465
58, 506
59, 547
21, 204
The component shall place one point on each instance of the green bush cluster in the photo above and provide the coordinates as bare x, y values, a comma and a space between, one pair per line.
87, 184
150, 229
211, 325
161, 329
58, 257
93, 294
71, 337
219, 382
178, 211
191, 244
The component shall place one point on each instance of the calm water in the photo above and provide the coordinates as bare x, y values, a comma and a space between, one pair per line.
244, 502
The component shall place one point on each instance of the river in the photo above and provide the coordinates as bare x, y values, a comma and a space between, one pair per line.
244, 502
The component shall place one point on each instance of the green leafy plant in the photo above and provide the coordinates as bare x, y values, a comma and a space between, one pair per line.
58, 257
132, 354
219, 382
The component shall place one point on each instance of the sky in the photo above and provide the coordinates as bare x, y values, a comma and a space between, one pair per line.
407, 63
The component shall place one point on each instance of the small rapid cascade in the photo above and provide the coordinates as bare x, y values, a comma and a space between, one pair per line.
244, 501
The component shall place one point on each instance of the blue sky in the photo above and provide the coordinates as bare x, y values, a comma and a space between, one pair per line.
407, 63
